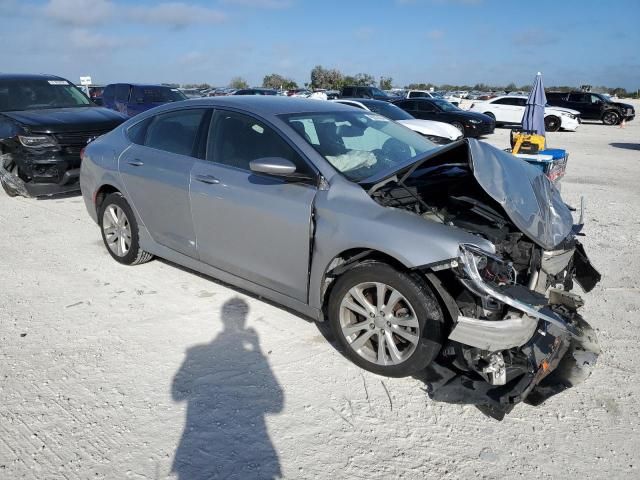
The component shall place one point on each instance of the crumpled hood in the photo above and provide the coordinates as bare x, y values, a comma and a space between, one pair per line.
431, 127
528, 197
67, 119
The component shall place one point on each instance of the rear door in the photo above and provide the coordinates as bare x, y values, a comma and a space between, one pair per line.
582, 103
427, 111
156, 173
255, 226
506, 110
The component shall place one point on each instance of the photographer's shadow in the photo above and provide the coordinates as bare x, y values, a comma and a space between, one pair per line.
229, 389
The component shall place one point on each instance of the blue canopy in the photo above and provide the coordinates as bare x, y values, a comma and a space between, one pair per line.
533, 118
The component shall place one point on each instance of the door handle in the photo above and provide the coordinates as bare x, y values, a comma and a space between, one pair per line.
135, 163
208, 179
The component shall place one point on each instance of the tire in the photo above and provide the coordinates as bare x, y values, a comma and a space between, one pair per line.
118, 222
8, 190
610, 118
489, 114
409, 322
552, 123
459, 126
12, 170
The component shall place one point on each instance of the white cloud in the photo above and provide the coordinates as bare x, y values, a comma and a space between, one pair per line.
176, 14
83, 39
93, 12
261, 3
435, 34
79, 12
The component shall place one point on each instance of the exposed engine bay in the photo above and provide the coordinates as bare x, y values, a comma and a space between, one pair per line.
517, 334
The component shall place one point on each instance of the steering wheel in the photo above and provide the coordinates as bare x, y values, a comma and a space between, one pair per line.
394, 150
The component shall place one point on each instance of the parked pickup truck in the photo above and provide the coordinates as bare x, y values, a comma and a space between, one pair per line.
593, 106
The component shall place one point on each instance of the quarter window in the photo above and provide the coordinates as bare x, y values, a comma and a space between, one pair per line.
174, 132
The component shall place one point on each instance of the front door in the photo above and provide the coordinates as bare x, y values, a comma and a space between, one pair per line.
156, 173
255, 226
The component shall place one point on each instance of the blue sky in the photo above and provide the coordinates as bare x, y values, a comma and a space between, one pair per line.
571, 42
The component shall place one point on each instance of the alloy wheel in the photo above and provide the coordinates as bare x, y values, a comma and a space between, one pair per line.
117, 230
379, 323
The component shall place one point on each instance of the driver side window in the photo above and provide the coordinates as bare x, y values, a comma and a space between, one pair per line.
236, 139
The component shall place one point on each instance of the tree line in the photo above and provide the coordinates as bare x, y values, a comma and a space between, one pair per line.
333, 79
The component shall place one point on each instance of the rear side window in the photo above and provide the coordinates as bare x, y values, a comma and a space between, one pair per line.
156, 95
426, 107
348, 92
109, 94
173, 132
578, 97
122, 93
236, 139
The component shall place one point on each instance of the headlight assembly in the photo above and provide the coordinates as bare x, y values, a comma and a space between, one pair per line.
487, 267
37, 141
475, 121
485, 273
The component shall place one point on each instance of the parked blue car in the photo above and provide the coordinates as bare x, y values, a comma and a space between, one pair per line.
132, 99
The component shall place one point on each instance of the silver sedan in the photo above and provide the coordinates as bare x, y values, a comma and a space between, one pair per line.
419, 256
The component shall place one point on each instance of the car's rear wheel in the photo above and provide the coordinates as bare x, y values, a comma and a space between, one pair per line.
459, 126
611, 118
387, 321
120, 231
552, 123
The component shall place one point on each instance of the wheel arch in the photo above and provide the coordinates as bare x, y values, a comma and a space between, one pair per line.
348, 259
101, 193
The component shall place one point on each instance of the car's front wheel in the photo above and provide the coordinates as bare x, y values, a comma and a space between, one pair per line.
120, 231
459, 126
552, 123
610, 118
387, 321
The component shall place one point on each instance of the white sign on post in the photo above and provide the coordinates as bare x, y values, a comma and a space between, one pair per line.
85, 81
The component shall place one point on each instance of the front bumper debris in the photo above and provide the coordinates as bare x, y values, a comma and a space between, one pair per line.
549, 363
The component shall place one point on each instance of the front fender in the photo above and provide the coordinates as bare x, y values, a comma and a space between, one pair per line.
347, 218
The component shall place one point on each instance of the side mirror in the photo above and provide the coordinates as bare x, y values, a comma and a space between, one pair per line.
280, 167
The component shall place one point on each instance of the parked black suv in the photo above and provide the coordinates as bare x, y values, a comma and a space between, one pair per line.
593, 106
44, 123
356, 91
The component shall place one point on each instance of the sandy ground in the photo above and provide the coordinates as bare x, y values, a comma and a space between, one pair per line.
120, 372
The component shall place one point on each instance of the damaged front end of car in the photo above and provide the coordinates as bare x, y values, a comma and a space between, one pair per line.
517, 334
34, 165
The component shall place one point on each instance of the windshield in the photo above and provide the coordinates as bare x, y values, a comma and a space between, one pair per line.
157, 94
444, 105
21, 94
388, 110
359, 144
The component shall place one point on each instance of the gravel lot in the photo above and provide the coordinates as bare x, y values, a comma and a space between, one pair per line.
120, 372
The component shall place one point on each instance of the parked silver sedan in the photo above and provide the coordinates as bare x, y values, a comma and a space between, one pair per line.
457, 259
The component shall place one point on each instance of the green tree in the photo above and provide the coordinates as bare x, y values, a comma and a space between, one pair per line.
386, 83
326, 78
277, 81
238, 82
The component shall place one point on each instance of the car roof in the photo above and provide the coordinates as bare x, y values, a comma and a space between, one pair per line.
144, 85
365, 101
267, 104
28, 76
507, 96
